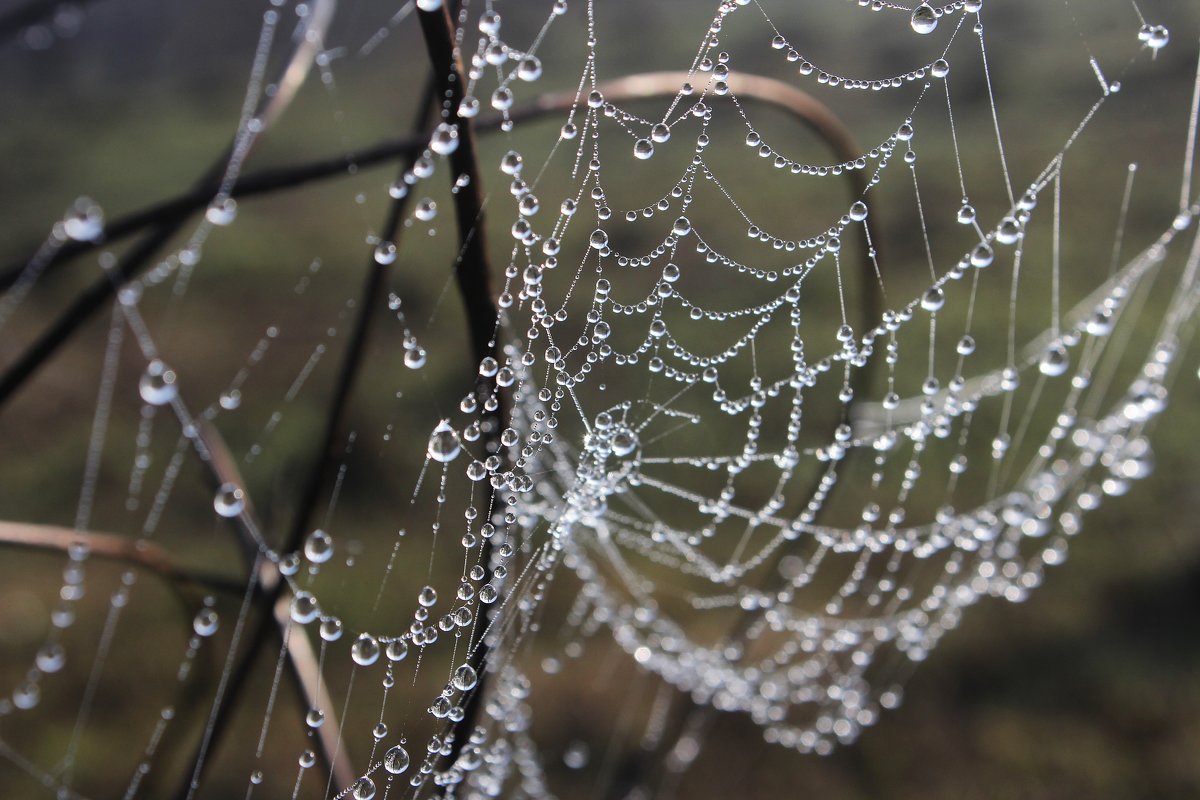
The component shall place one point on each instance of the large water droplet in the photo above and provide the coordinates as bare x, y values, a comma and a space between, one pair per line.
445, 139
157, 385
84, 221
443, 443
395, 760
643, 149
365, 650
464, 678
364, 788
230, 500
1054, 361
318, 547
206, 622
924, 19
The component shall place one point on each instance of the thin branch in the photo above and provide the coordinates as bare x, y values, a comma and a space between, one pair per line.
115, 547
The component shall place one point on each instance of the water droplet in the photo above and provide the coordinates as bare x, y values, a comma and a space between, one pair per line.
924, 19
428, 597
304, 608
307, 759
682, 227
84, 221
599, 239
982, 255
858, 211
364, 788
51, 658
318, 547
643, 149
529, 69
315, 718
426, 210
385, 253
206, 622
396, 760
488, 594
230, 500
1054, 361
157, 385
464, 678
933, 299
396, 650
445, 139
444, 445
1009, 231
365, 650
222, 211
331, 629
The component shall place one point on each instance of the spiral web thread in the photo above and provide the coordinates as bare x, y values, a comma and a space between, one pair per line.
706, 453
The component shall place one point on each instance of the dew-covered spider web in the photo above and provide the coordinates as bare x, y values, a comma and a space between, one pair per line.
714, 357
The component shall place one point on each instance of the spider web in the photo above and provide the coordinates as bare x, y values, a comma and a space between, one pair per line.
767, 411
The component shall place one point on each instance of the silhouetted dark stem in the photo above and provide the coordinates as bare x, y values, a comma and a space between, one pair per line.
473, 278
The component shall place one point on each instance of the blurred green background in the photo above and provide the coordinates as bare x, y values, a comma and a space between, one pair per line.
1090, 688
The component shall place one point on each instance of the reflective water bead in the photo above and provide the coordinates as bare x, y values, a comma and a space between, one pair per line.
396, 760
221, 211
426, 210
682, 226
307, 759
445, 139
444, 445
940, 68
1054, 361
84, 221
229, 500
933, 299
304, 607
364, 787
365, 650
205, 623
385, 253
1158, 37
315, 718
157, 384
858, 211
464, 678
924, 19
468, 107
982, 255
331, 629
318, 547
51, 657
529, 68
427, 597
966, 345
643, 149
1009, 231
396, 650
966, 214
